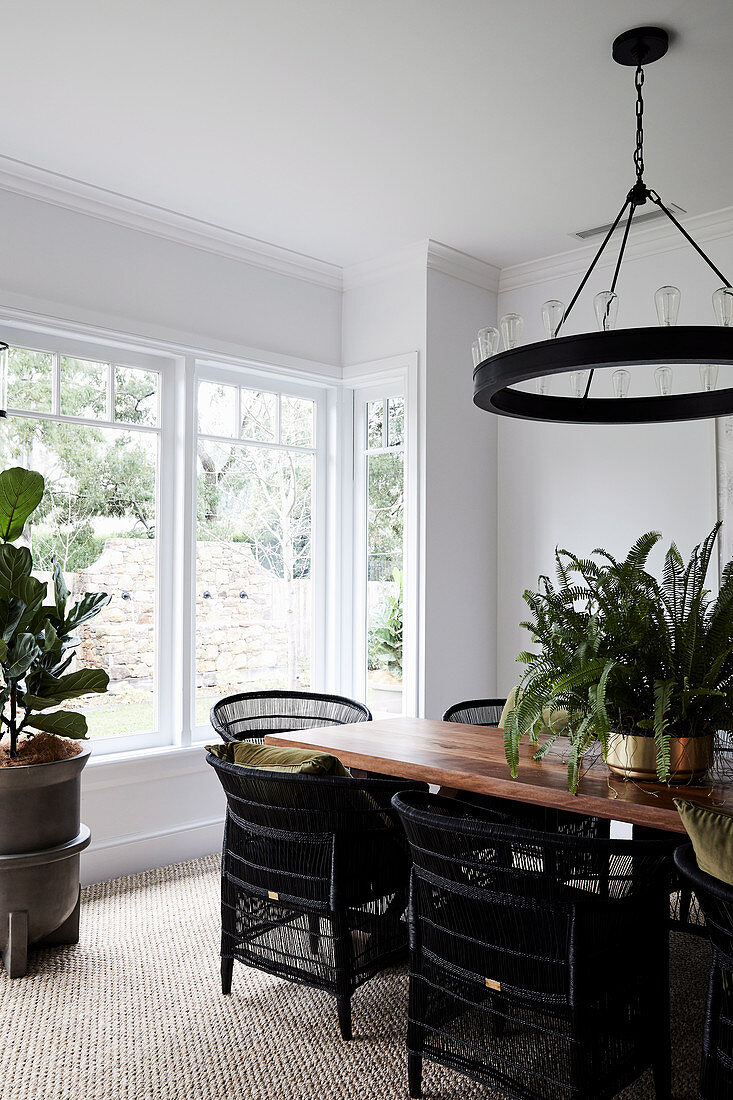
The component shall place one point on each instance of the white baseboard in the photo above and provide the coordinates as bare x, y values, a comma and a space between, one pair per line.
127, 855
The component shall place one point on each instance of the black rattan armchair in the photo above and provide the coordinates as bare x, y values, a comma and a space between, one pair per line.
716, 900
252, 714
487, 712
538, 961
315, 876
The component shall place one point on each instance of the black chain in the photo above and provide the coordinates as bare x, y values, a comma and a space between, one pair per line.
639, 151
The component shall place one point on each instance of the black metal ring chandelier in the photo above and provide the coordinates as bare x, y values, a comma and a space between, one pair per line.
579, 356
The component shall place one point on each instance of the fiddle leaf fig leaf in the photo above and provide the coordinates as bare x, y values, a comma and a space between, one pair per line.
21, 656
65, 723
50, 638
20, 494
61, 591
88, 606
74, 684
32, 593
11, 612
15, 565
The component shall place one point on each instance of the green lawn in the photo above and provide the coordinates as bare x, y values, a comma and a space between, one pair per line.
124, 717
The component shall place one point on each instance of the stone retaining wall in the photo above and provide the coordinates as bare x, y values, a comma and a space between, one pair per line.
249, 627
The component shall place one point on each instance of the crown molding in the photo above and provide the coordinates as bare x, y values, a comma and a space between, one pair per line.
449, 261
418, 257
643, 242
412, 258
98, 202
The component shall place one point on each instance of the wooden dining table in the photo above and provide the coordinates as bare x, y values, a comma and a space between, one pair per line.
471, 758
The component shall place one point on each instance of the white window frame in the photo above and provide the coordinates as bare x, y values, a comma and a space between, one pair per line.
394, 377
250, 377
113, 354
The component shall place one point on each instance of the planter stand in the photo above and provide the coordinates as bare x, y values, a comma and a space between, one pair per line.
40, 841
38, 888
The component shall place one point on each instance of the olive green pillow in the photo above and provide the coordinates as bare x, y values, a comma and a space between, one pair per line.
711, 833
555, 721
275, 758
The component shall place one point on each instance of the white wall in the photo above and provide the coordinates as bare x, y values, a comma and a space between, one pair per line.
460, 501
432, 300
585, 486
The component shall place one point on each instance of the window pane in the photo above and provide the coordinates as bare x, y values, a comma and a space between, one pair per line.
217, 409
258, 415
385, 511
97, 519
296, 421
375, 424
83, 388
136, 396
395, 421
253, 571
30, 375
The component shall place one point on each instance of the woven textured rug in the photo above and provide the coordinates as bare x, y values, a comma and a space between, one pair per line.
135, 1011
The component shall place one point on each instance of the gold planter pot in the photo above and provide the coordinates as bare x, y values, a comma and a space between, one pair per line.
635, 757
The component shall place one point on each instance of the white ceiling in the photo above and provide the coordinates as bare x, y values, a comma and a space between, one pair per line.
347, 130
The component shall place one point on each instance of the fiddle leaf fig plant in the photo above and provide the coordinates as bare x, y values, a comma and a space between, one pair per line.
37, 639
623, 652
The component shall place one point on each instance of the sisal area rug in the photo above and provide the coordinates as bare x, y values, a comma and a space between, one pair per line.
135, 1011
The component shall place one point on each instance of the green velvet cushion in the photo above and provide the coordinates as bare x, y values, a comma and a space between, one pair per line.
711, 832
274, 758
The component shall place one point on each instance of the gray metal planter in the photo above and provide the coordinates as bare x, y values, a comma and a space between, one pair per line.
40, 841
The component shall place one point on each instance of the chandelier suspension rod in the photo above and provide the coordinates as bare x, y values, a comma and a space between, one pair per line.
621, 251
658, 202
596, 258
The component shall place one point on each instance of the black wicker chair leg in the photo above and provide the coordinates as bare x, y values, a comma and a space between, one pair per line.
314, 932
343, 957
344, 1010
227, 967
414, 1075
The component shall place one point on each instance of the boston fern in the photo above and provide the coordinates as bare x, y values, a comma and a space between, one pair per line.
622, 652
37, 642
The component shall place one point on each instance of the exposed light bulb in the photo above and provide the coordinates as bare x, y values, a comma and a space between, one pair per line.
476, 353
511, 326
723, 306
488, 340
667, 302
578, 379
620, 380
663, 380
541, 385
708, 376
605, 304
552, 315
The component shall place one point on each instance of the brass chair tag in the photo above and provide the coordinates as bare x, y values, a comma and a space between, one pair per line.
272, 895
491, 984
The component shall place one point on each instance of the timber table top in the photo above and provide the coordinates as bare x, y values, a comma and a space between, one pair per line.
471, 758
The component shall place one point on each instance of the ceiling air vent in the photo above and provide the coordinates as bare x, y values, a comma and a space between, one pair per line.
651, 215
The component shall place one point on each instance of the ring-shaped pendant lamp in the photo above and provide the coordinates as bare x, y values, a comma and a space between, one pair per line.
495, 376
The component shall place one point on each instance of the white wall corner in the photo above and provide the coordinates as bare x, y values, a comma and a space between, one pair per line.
441, 257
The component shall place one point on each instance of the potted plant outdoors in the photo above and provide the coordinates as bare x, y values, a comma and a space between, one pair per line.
40, 758
385, 649
643, 667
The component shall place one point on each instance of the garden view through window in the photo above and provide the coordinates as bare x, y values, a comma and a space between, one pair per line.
254, 576
98, 516
385, 505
